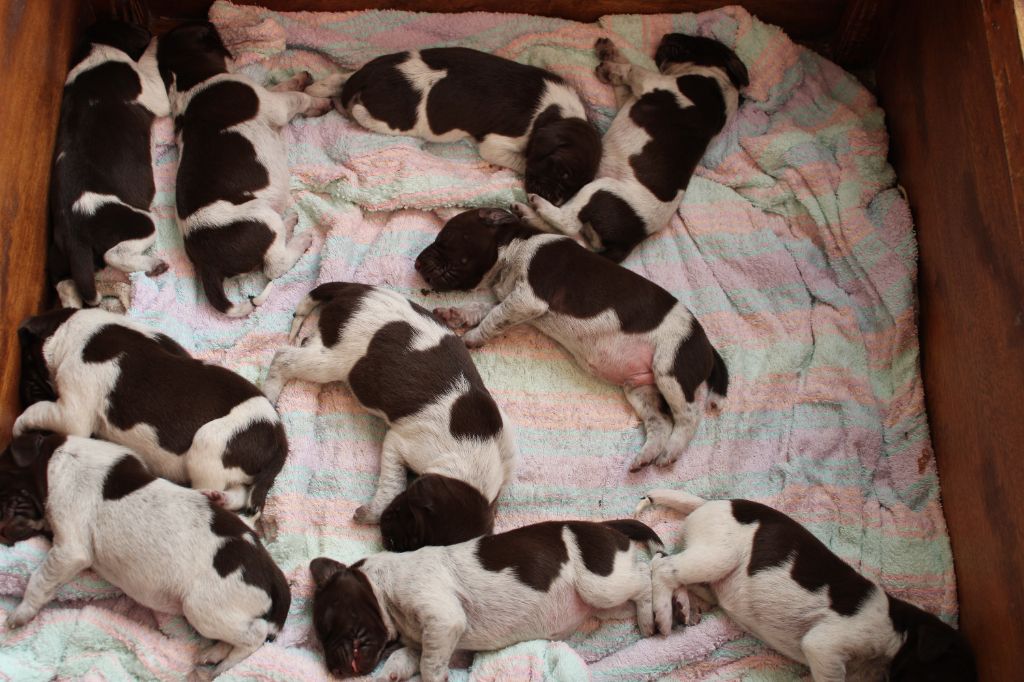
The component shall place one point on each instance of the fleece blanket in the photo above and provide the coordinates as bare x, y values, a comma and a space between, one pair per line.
794, 248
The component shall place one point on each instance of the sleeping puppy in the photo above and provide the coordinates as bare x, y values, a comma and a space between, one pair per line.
232, 183
775, 579
192, 423
618, 325
522, 117
102, 180
536, 582
406, 367
169, 548
653, 145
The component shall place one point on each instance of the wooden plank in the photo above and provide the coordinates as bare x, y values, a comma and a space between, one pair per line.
801, 18
951, 87
862, 32
38, 38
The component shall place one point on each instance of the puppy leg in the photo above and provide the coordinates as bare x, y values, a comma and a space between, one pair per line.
282, 107
699, 563
68, 294
63, 562
441, 633
503, 151
214, 653
685, 416
518, 307
630, 581
328, 87
236, 635
121, 291
128, 256
390, 483
608, 53
54, 416
297, 83
400, 666
464, 317
646, 402
312, 362
823, 648
283, 253
564, 219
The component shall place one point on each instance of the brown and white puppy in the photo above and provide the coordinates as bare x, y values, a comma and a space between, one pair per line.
522, 117
775, 579
618, 325
169, 548
192, 423
406, 367
102, 181
232, 183
536, 582
653, 145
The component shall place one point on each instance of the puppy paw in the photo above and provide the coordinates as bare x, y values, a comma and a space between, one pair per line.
158, 269
200, 675
318, 107
303, 80
473, 338
453, 317
603, 73
605, 49
667, 458
214, 654
216, 498
643, 459
20, 616
365, 515
302, 241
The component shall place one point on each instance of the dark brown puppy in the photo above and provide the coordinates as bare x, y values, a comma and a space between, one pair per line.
620, 326
522, 117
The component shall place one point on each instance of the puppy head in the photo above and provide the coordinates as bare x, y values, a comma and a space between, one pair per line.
435, 510
130, 38
191, 53
467, 248
347, 618
23, 485
562, 156
678, 48
36, 384
932, 649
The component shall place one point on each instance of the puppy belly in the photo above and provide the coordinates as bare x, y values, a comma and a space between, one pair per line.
621, 360
555, 616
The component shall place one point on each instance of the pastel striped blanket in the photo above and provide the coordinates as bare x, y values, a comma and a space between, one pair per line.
793, 247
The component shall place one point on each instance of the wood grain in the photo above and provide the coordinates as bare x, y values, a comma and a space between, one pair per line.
37, 39
951, 86
862, 32
801, 18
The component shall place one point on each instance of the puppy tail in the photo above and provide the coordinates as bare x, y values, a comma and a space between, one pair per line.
83, 273
679, 500
213, 287
638, 532
718, 381
306, 306
330, 86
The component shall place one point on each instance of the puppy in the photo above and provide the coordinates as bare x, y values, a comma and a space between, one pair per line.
536, 582
169, 548
193, 423
102, 181
653, 145
522, 117
618, 325
775, 579
232, 185
406, 367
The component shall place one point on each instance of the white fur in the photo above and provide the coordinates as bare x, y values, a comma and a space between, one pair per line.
636, 361
501, 150
156, 544
423, 441
440, 599
80, 410
624, 140
277, 106
770, 604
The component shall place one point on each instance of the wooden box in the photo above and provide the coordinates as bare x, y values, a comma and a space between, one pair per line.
950, 76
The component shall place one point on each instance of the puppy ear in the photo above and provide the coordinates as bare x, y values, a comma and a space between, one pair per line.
737, 71
323, 569
496, 216
27, 448
934, 638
